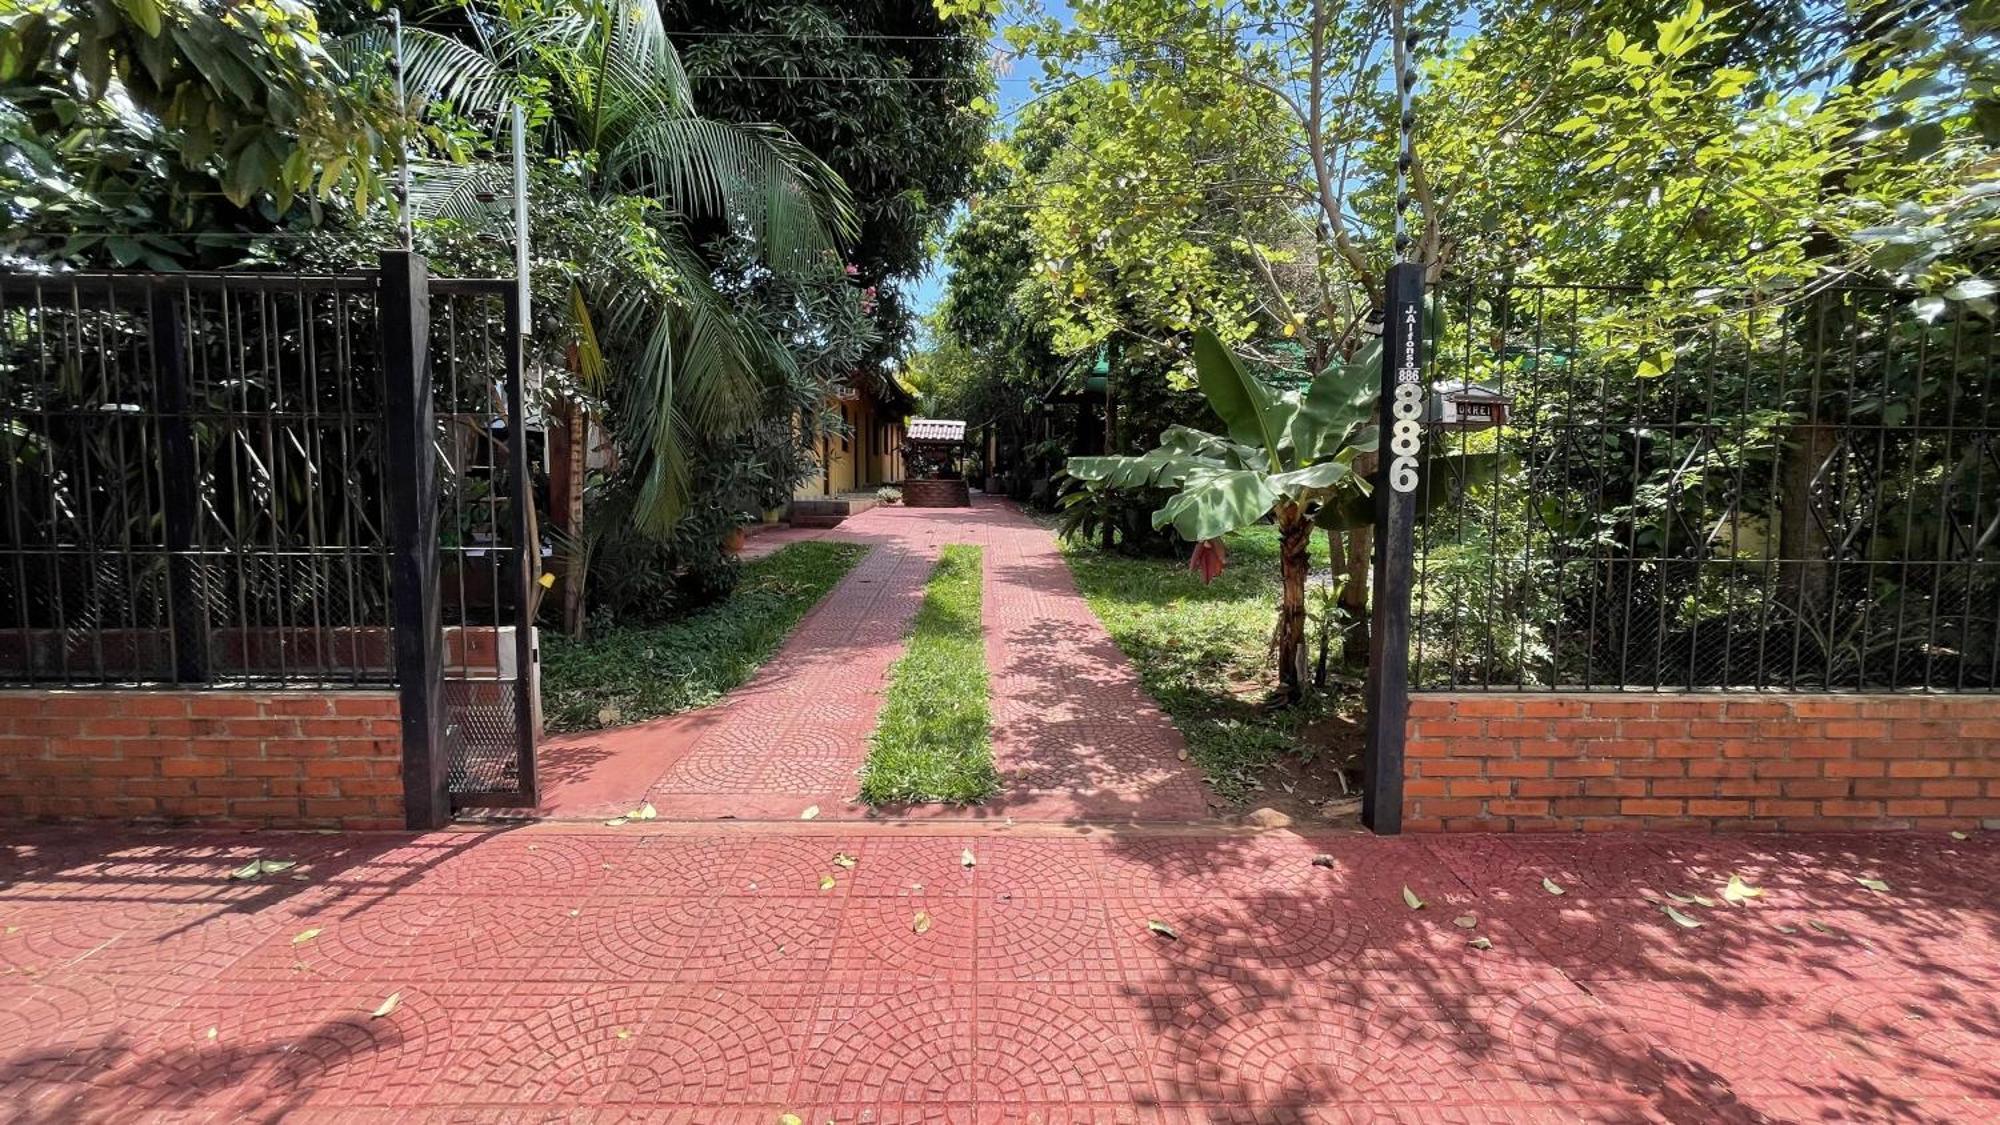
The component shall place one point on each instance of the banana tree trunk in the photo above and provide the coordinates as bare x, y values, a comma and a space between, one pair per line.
1354, 589
1294, 563
1354, 596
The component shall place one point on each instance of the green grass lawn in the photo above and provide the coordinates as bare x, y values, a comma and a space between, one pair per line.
933, 741
627, 674
1204, 653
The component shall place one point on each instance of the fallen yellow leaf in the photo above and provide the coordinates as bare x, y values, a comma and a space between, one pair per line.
1739, 892
921, 923
388, 1006
1682, 920
305, 936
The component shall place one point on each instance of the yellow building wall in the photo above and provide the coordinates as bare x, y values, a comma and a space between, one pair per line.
866, 459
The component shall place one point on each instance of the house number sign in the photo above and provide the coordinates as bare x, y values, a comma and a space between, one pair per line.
1406, 409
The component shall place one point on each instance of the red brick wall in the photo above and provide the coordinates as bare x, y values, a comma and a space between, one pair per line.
1562, 761
250, 758
936, 494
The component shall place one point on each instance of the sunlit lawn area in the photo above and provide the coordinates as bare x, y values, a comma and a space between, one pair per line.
1204, 652
933, 740
625, 674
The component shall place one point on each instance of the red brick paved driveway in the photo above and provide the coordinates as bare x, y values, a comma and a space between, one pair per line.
1075, 736
701, 974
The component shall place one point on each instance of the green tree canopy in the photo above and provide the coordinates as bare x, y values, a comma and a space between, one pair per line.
882, 90
156, 131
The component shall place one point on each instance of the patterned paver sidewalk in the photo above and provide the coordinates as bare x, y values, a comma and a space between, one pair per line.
702, 974
1075, 736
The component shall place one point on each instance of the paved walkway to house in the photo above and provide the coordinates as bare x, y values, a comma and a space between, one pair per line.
1074, 735
702, 974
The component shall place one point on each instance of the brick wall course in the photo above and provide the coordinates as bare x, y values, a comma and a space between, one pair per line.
1553, 761
272, 759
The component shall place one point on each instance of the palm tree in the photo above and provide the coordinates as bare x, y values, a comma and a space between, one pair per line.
606, 93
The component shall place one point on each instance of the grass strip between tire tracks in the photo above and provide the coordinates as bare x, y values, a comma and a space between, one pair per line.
933, 739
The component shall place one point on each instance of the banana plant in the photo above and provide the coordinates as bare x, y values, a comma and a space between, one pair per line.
1283, 455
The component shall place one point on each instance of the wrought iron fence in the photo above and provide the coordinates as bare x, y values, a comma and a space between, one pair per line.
194, 480
1711, 489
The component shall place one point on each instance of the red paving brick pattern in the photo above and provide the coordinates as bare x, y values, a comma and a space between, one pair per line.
1075, 736
701, 974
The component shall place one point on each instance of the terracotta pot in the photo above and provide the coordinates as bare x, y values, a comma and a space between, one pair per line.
733, 541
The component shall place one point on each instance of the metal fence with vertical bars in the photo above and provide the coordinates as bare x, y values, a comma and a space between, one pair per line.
278, 480
1709, 489
193, 482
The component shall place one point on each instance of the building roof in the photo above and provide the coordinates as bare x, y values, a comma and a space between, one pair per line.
936, 429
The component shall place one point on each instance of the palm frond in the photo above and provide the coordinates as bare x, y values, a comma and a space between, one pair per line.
757, 178
698, 369
435, 68
440, 190
613, 66
646, 54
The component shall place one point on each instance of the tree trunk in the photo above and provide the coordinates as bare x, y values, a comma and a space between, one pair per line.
1804, 571
1354, 596
568, 460
1294, 563
1354, 591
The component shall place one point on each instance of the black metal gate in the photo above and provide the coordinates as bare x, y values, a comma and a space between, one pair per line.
488, 545
464, 541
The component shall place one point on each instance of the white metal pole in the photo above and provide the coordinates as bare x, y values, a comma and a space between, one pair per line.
403, 138
521, 217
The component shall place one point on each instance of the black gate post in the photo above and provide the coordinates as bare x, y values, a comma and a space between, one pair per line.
413, 535
180, 487
1400, 460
